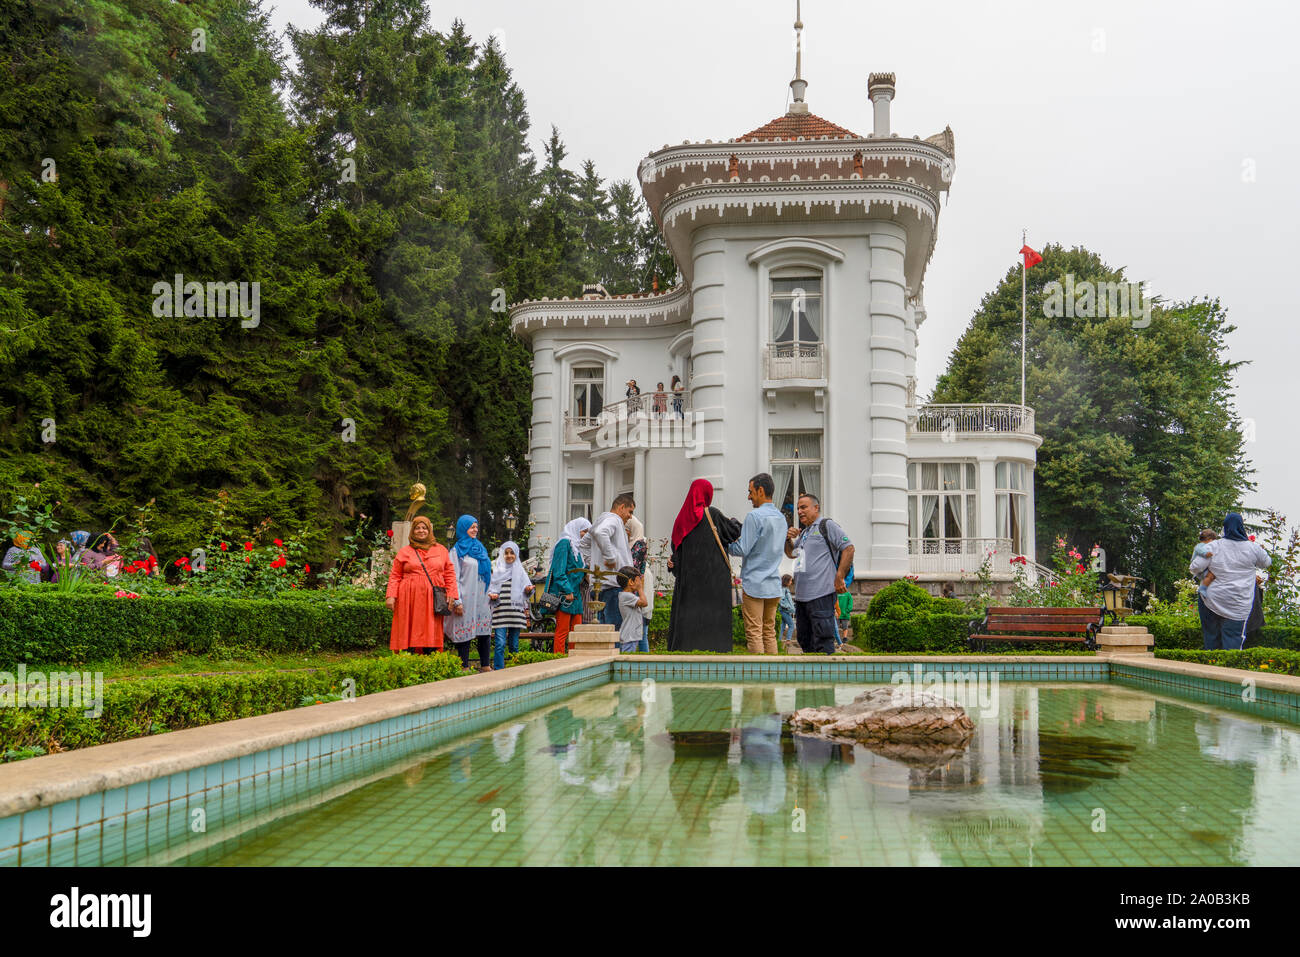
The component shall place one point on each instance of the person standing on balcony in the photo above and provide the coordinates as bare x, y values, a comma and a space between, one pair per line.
762, 539
823, 556
679, 398
610, 552
564, 578
660, 407
1234, 560
700, 616
633, 397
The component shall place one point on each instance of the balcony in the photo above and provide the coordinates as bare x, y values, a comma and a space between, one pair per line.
955, 420
638, 422
794, 360
959, 556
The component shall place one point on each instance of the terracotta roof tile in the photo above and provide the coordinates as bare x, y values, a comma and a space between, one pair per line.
793, 125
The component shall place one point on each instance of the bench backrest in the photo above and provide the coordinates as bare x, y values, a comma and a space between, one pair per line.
1069, 620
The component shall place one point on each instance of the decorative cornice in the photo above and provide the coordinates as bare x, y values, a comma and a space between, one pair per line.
822, 150
654, 309
806, 193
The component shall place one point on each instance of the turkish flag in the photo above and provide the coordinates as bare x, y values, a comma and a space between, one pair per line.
1032, 258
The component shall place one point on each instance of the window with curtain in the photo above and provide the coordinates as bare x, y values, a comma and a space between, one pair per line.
797, 310
581, 496
588, 390
796, 469
1012, 482
941, 507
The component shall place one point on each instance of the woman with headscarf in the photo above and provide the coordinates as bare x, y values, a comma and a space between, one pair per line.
22, 556
474, 573
508, 592
1234, 559
417, 568
701, 618
564, 578
80, 539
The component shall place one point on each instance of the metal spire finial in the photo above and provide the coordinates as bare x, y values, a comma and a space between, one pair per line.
798, 85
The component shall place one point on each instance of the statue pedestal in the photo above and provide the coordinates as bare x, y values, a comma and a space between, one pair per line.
1128, 641
593, 640
401, 536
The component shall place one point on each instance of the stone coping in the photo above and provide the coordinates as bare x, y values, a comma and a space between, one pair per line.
45, 781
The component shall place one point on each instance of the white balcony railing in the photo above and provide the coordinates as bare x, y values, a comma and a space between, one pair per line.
959, 556
973, 420
795, 360
642, 409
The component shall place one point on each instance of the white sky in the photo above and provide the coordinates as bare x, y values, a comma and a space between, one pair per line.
1132, 128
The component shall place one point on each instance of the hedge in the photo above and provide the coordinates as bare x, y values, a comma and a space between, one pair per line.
39, 627
1170, 632
144, 706
1265, 660
925, 631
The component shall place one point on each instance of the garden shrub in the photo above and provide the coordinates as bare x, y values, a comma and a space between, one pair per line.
900, 600
39, 626
1179, 632
1265, 660
134, 708
925, 631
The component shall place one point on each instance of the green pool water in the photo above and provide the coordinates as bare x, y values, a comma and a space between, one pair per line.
701, 774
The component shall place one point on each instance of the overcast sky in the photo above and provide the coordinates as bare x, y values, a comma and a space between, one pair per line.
1156, 134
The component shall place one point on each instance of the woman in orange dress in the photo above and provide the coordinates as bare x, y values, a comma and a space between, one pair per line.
410, 591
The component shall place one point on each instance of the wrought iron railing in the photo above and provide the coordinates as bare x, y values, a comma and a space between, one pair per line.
959, 556
974, 419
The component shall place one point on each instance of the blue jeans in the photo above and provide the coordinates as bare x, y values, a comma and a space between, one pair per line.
499, 652
787, 626
627, 647
611, 614
1219, 632
644, 643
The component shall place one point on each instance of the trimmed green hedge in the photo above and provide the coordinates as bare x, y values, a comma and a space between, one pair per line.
39, 627
925, 631
1180, 633
138, 707
1274, 661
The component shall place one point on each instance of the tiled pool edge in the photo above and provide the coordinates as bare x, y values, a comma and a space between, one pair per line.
52, 779
117, 803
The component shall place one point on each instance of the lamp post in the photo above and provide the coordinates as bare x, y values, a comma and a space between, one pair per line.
512, 522
1115, 593
451, 532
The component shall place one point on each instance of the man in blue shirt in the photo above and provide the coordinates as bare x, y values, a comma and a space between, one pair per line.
760, 547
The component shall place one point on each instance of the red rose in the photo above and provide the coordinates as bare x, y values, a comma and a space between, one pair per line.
34, 564
1079, 567
181, 562
1252, 538
279, 562
389, 533
306, 569
248, 546
224, 547
246, 558
278, 542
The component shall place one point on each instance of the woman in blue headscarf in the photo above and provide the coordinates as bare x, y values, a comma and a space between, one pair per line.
473, 575
1234, 559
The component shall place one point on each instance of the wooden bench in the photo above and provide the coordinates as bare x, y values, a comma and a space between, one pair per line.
1077, 625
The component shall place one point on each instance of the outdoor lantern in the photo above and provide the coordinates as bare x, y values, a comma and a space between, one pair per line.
451, 531
512, 520
1115, 592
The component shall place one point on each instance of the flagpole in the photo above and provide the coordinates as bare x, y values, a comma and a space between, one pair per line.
1024, 269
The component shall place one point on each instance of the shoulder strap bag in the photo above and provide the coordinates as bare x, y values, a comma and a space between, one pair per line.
735, 591
440, 606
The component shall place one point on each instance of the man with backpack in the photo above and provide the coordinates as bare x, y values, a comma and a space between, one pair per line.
823, 567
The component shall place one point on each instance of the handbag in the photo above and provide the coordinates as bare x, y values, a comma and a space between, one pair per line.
550, 602
440, 606
735, 590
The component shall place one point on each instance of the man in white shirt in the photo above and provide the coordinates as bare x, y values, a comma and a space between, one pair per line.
610, 552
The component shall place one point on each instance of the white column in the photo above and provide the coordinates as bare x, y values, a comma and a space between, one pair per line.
887, 402
639, 488
986, 501
545, 456
708, 347
1031, 540
598, 503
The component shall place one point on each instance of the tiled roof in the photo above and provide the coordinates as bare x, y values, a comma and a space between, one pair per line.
793, 125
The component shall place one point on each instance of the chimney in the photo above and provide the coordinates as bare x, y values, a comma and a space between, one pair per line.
880, 88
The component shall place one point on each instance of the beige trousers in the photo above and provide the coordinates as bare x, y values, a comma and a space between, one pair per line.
760, 623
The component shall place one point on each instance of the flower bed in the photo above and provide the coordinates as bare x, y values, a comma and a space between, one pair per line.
38, 626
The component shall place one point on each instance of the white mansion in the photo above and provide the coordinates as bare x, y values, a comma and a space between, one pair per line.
802, 249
